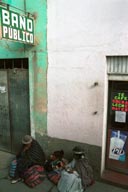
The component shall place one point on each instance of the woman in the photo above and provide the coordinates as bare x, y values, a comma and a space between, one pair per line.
78, 174
30, 154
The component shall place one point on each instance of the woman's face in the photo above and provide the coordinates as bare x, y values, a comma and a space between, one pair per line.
53, 157
26, 147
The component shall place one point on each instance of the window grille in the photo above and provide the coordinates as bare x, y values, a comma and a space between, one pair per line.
14, 63
117, 65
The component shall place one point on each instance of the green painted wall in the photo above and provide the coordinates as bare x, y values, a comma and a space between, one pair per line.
37, 56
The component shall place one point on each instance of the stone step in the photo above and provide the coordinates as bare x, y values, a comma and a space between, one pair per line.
5, 159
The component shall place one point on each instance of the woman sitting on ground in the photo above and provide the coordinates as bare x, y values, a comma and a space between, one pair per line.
30, 154
78, 174
81, 164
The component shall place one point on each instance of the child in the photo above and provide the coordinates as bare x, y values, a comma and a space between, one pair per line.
55, 165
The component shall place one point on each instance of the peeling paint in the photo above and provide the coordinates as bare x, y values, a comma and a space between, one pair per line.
37, 57
41, 106
35, 15
0, 33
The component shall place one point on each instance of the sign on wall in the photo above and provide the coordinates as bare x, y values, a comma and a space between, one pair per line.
120, 106
117, 145
120, 102
16, 27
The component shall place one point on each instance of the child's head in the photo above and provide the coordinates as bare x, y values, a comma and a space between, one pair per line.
57, 155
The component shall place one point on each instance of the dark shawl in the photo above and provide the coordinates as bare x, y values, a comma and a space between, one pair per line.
35, 153
33, 156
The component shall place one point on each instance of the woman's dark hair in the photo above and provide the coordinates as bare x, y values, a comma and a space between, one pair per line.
78, 152
58, 154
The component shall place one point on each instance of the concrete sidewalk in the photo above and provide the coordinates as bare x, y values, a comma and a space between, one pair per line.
47, 186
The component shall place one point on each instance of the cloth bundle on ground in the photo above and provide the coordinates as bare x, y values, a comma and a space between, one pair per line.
54, 176
70, 182
12, 169
78, 174
55, 165
34, 175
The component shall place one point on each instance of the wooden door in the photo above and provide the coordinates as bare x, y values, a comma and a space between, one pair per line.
117, 128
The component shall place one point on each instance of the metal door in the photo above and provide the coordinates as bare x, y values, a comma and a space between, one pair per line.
19, 105
14, 108
5, 137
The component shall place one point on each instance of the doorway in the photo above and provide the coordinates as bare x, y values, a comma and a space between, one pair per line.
115, 150
117, 128
14, 103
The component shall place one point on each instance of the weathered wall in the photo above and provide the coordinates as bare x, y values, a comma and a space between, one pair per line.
80, 36
38, 67
37, 56
52, 144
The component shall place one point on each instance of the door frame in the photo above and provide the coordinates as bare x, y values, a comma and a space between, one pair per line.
110, 176
15, 64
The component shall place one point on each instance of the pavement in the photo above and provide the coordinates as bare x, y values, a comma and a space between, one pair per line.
47, 186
